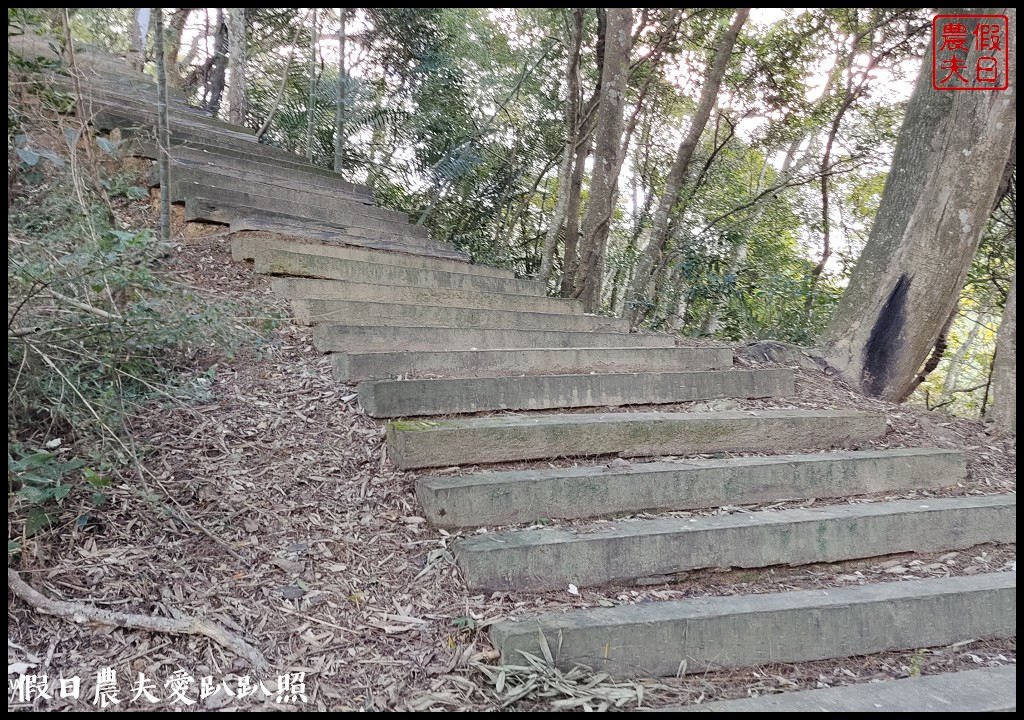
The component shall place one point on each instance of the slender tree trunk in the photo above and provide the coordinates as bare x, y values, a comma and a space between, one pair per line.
571, 260
174, 33
284, 79
956, 362
572, 111
238, 95
850, 95
1004, 370
137, 39
163, 136
311, 102
339, 110
640, 290
641, 214
908, 278
218, 68
607, 147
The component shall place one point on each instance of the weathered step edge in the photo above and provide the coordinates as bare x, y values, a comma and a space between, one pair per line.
352, 367
406, 398
314, 210
505, 498
314, 311
985, 690
691, 636
247, 244
308, 288
326, 267
143, 144
648, 434
552, 558
355, 338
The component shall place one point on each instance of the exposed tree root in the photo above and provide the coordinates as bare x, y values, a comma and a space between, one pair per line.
79, 613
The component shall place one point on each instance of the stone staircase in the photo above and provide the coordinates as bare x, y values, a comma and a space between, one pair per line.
466, 355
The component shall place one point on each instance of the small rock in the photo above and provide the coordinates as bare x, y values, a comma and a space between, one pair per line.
888, 564
289, 566
290, 592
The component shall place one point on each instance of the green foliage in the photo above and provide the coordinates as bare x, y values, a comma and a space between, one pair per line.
41, 481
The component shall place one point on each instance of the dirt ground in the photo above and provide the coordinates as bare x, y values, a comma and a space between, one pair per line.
306, 542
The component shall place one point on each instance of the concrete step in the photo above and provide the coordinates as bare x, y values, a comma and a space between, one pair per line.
267, 158
281, 262
246, 245
31, 45
190, 156
133, 87
265, 198
303, 289
552, 558
523, 496
406, 398
306, 232
470, 441
696, 635
141, 117
310, 191
352, 367
194, 134
985, 690
139, 102
314, 311
364, 339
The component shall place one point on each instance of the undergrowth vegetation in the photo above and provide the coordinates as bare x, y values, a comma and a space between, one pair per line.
99, 327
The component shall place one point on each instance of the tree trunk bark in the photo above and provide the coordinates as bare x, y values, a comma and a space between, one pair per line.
238, 95
643, 278
604, 181
1004, 371
949, 159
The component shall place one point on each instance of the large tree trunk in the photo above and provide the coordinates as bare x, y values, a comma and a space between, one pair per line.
604, 182
572, 125
238, 95
1004, 372
647, 267
949, 159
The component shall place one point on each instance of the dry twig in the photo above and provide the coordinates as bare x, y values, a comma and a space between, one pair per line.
79, 613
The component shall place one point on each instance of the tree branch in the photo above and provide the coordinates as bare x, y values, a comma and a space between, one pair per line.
82, 614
